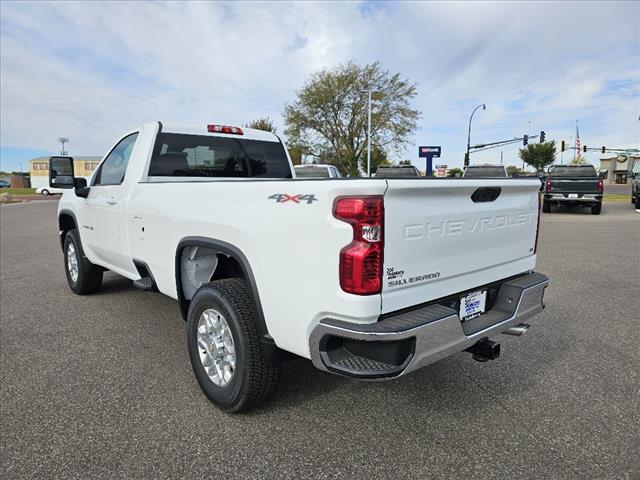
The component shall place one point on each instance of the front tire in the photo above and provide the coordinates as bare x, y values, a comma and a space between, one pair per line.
83, 276
45, 192
225, 349
596, 209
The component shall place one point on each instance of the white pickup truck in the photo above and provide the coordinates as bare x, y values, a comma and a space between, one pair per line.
369, 278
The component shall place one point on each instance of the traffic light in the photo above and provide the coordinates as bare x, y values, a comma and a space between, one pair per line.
525, 140
562, 147
584, 148
542, 136
603, 149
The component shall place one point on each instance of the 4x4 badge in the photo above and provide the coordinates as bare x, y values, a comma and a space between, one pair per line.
285, 197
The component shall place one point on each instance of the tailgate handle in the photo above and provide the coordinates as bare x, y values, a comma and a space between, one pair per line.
486, 194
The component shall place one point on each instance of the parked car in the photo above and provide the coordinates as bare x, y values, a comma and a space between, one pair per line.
49, 191
368, 278
635, 189
317, 171
4, 184
395, 171
573, 185
485, 171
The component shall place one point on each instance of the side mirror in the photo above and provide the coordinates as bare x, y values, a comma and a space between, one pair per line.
81, 187
61, 172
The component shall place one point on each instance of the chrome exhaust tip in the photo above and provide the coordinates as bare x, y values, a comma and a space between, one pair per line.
518, 330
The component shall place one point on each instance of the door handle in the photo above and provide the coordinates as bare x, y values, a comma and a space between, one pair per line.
111, 201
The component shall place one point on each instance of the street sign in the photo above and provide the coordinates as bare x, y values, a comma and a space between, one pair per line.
441, 170
429, 152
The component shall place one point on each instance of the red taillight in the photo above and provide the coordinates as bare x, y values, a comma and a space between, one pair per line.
224, 129
361, 260
600, 186
547, 185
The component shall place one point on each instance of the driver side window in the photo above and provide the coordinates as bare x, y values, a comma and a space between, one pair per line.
113, 168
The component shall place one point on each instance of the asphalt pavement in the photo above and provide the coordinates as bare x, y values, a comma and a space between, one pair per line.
101, 386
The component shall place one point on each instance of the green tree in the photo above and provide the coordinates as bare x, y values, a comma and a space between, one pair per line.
511, 169
452, 172
330, 113
295, 152
405, 162
579, 161
378, 157
262, 124
539, 155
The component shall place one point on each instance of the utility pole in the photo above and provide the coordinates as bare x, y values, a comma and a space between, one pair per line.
466, 157
369, 137
570, 143
62, 141
369, 93
500, 157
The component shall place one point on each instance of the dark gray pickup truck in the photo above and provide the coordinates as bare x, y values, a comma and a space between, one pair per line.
573, 185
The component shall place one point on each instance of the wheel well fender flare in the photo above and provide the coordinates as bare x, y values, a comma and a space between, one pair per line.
65, 225
225, 249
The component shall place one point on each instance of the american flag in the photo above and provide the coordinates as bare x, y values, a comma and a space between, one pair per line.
577, 142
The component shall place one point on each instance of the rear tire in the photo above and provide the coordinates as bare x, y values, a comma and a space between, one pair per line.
546, 206
225, 347
596, 209
637, 202
83, 276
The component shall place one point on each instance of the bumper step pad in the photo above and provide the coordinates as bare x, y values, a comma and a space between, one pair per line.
412, 339
361, 364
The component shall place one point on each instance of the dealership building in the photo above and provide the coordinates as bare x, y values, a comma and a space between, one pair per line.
618, 169
39, 169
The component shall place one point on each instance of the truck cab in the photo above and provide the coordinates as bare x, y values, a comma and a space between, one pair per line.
574, 186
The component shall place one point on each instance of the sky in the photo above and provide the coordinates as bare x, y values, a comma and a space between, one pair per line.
91, 71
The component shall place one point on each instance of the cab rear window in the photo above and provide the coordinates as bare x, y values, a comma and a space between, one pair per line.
389, 172
586, 171
484, 172
183, 155
311, 172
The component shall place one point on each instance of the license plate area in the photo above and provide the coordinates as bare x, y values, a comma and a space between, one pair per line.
573, 195
473, 305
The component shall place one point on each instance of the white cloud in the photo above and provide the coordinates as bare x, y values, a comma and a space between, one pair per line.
92, 70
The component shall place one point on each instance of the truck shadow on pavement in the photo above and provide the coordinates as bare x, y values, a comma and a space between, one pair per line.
574, 210
114, 283
454, 384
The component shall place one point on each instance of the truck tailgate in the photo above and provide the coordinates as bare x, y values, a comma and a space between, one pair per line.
440, 241
574, 185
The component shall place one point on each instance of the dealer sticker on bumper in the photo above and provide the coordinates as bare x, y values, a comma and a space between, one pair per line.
472, 305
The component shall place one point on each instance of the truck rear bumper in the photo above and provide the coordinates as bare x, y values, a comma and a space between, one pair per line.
586, 198
408, 341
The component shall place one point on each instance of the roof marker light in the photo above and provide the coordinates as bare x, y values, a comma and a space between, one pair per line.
224, 129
